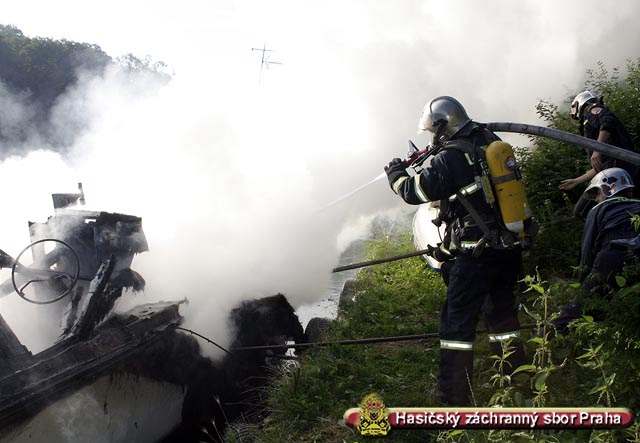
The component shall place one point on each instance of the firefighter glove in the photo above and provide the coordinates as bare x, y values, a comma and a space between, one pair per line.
396, 172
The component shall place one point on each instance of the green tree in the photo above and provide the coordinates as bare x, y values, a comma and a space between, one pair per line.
35, 72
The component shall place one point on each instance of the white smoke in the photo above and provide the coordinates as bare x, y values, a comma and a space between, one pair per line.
15, 114
228, 205
227, 172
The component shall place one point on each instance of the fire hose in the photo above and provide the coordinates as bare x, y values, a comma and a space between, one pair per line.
381, 260
566, 137
519, 128
556, 134
417, 156
346, 342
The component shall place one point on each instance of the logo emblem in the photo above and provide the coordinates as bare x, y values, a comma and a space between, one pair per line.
510, 163
374, 416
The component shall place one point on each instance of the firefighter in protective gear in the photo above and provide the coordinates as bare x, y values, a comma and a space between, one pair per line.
480, 273
608, 241
597, 122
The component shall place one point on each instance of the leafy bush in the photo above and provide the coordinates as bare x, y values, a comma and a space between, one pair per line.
618, 334
547, 162
621, 90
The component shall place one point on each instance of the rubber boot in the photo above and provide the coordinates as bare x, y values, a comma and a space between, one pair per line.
454, 380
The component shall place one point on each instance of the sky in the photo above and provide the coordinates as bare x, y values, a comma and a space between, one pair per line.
228, 167
498, 57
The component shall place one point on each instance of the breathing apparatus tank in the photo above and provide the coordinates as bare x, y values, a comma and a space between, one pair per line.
507, 186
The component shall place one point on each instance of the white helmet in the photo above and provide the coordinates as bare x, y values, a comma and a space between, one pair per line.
579, 103
444, 116
610, 181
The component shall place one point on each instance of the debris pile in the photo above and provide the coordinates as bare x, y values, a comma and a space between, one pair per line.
109, 362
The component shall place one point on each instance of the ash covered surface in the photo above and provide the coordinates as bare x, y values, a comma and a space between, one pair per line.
73, 363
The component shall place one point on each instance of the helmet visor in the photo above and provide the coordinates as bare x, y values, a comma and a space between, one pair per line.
425, 123
591, 192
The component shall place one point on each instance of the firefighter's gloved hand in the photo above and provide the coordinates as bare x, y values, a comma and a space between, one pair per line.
396, 172
395, 165
439, 253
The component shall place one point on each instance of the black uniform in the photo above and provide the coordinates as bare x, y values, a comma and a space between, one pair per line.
599, 118
596, 118
603, 253
473, 279
608, 241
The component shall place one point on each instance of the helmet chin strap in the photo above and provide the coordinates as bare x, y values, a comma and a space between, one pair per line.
581, 122
439, 134
587, 107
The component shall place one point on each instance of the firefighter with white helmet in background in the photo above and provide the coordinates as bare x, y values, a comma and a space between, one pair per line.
484, 257
597, 122
609, 240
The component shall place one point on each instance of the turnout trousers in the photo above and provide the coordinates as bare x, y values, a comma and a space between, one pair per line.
475, 284
608, 263
600, 282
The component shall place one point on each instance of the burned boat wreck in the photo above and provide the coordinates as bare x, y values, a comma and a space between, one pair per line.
129, 376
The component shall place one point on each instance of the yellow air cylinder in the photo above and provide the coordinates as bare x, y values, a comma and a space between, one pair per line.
507, 185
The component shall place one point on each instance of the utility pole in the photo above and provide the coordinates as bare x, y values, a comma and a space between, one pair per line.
264, 59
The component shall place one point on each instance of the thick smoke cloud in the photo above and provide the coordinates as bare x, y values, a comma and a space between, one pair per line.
16, 117
228, 173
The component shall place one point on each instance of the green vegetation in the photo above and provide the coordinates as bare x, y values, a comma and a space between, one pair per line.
400, 298
395, 298
547, 162
307, 401
36, 72
598, 363
43, 66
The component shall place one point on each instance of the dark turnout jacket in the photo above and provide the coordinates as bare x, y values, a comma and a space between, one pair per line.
452, 170
607, 221
600, 118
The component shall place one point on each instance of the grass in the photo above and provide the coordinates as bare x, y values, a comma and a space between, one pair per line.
307, 401
400, 298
